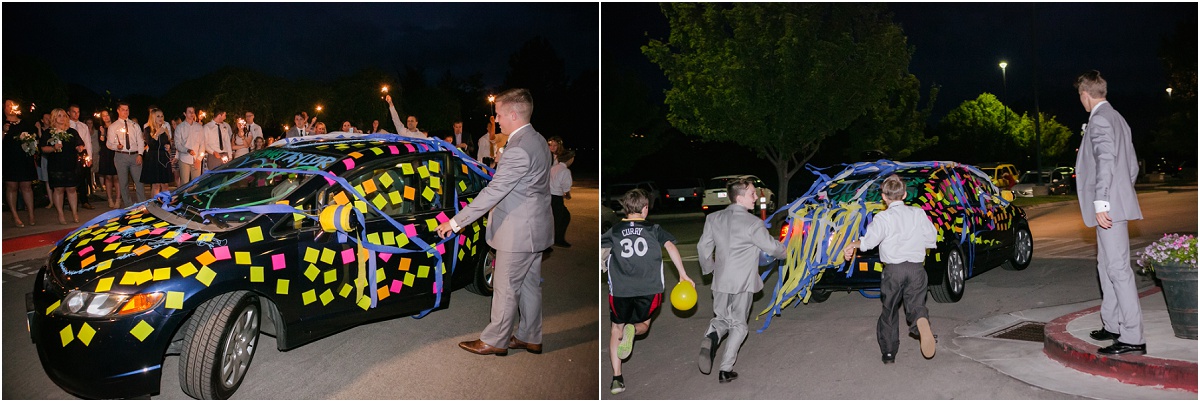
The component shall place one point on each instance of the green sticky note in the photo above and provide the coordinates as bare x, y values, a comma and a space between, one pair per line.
141, 330
345, 290
311, 272
242, 257
379, 201
308, 297
256, 274
432, 223
327, 256
380, 275
401, 240
423, 172
373, 238
386, 179
206, 276
310, 255
326, 297
330, 276
281, 287
409, 278
174, 300
462, 186
389, 238
255, 234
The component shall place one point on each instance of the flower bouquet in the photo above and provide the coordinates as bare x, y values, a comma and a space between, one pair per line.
28, 143
59, 137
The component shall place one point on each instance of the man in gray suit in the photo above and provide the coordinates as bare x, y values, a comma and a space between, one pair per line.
520, 227
1106, 169
729, 249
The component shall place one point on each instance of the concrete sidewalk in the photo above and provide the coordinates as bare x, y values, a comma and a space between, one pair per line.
1168, 361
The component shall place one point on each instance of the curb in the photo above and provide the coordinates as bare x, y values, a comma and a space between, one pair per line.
1075, 353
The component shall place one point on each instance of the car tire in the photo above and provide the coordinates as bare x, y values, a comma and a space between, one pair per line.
1022, 250
954, 278
218, 345
819, 296
481, 284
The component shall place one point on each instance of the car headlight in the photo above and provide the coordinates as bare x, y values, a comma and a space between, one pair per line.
88, 304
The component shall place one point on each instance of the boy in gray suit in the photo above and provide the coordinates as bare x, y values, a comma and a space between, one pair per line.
729, 249
1106, 169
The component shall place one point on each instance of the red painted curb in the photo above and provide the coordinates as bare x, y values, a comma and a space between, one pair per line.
1138, 370
33, 240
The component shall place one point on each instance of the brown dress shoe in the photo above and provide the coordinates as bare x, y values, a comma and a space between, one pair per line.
514, 343
480, 348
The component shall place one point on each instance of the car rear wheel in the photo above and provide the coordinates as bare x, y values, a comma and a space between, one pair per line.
218, 345
484, 269
1022, 250
819, 296
953, 279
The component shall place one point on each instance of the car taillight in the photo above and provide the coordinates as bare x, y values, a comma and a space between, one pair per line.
783, 231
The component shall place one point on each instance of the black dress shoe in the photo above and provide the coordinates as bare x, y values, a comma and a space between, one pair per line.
889, 358
726, 376
1121, 348
563, 244
1103, 335
708, 352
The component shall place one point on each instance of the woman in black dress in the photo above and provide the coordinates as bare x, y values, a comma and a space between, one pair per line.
156, 161
20, 167
61, 145
108, 168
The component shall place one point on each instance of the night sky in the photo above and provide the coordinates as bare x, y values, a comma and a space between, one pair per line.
960, 45
159, 45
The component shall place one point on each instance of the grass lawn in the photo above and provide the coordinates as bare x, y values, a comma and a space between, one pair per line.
1043, 199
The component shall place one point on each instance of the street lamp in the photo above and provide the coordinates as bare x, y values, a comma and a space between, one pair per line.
1004, 77
1169, 92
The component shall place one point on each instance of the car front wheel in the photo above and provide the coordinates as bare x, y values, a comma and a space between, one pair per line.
953, 279
1022, 250
218, 345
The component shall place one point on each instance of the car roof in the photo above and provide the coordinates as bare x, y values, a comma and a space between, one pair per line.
735, 176
343, 144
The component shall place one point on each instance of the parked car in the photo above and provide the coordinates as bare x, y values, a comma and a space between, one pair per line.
1003, 175
1057, 181
614, 193
683, 192
977, 229
716, 197
1185, 170
269, 242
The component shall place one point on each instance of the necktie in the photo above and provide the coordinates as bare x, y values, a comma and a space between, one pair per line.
220, 138
128, 146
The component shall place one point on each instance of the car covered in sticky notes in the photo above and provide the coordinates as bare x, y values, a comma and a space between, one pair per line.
302, 239
978, 228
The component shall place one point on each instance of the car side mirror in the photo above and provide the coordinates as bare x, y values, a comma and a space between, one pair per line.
336, 218
1007, 195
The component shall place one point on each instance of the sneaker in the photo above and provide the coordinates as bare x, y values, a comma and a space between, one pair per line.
928, 342
617, 387
626, 346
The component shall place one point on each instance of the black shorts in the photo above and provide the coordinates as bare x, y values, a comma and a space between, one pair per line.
632, 310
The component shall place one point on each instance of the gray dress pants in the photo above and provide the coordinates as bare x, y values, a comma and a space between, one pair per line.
1120, 308
127, 166
731, 310
516, 293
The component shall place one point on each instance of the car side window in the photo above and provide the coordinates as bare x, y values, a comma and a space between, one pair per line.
466, 180
396, 187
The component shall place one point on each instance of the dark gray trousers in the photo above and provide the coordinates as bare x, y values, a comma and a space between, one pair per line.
904, 282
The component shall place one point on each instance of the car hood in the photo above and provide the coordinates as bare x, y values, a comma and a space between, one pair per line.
125, 247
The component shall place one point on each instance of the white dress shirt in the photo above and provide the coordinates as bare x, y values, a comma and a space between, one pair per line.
485, 148
189, 136
255, 132
400, 127
902, 234
125, 136
560, 179
212, 144
86, 135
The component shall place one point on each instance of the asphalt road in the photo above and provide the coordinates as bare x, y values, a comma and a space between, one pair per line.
828, 350
401, 358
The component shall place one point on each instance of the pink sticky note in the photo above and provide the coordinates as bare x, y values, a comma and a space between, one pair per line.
441, 248
158, 231
222, 253
184, 237
385, 256
441, 217
347, 256
435, 288
349, 163
410, 230
410, 148
279, 261
85, 251
462, 240
328, 180
393, 149
111, 239
462, 204
396, 286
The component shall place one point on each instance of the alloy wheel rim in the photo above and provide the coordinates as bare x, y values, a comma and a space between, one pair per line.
956, 272
1024, 247
239, 347
489, 268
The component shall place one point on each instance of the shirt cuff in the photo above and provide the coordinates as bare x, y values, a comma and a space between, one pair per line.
454, 225
1101, 206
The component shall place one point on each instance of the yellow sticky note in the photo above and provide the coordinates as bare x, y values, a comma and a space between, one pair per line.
54, 307
364, 302
380, 275
462, 186
168, 251
104, 285
186, 269
66, 335
435, 182
345, 290
406, 168
428, 194
373, 238
256, 274
409, 278
174, 300
308, 297
432, 223
281, 287
423, 172
395, 197
129, 278
380, 201
162, 274
242, 257
434, 166
255, 234
311, 272
360, 206
112, 246
104, 265
310, 255
330, 276
386, 179
327, 256
205, 237
326, 297
401, 240
141, 330
86, 332
124, 250
423, 271
389, 238
206, 276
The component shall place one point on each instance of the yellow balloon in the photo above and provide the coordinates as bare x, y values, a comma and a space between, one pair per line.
683, 296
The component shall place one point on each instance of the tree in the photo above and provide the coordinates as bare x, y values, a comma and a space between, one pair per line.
979, 130
895, 125
1176, 132
31, 81
631, 126
777, 77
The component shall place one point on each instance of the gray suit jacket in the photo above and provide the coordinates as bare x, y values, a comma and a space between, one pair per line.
1106, 167
729, 249
520, 192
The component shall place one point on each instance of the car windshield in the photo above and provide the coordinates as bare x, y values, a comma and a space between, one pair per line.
260, 178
